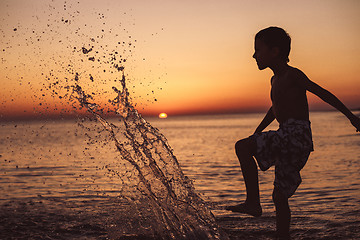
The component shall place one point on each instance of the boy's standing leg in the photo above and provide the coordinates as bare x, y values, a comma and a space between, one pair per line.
283, 214
245, 150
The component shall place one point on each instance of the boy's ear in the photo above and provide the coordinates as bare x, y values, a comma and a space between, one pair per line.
275, 51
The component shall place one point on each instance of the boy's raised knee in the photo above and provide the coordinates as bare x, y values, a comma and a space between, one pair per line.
238, 145
245, 146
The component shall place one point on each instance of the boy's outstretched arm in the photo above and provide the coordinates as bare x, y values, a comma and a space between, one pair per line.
269, 118
331, 99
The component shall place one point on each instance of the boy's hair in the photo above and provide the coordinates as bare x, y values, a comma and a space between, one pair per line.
276, 37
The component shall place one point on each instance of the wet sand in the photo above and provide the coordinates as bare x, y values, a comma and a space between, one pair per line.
51, 218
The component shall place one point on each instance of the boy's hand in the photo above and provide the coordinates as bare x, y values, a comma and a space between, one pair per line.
355, 121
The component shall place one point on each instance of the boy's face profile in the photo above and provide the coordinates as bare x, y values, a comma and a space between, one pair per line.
263, 55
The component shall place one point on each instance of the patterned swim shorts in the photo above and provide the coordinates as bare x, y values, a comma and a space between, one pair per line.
287, 149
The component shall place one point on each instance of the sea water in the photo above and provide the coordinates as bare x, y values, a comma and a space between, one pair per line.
56, 184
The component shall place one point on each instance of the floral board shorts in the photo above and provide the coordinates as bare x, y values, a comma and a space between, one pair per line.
287, 149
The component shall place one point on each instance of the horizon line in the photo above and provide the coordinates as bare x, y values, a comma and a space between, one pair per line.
73, 116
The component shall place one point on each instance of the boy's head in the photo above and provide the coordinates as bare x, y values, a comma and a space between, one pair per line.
275, 37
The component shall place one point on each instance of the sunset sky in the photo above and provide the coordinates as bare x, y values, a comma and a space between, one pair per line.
182, 57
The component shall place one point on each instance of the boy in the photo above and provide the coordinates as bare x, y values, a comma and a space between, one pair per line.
289, 147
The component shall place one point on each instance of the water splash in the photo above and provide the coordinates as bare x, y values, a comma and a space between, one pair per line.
177, 212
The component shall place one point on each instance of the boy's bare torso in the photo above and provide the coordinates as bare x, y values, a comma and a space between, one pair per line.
288, 95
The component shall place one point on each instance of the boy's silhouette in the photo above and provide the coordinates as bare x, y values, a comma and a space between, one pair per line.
289, 147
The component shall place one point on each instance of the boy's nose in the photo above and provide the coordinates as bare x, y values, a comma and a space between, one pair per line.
254, 55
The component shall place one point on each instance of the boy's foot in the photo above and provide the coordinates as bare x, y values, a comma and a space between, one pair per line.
283, 236
253, 210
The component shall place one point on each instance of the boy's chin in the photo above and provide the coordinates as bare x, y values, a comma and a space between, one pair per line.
262, 67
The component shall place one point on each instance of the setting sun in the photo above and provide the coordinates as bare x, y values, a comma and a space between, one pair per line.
162, 115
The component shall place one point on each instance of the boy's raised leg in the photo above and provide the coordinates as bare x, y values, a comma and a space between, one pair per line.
245, 150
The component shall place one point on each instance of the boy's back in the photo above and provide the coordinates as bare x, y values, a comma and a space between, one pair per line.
288, 95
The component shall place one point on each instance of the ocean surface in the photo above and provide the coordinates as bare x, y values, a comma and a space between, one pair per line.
59, 179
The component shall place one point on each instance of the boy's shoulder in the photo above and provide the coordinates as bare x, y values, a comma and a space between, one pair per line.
292, 80
292, 73
296, 73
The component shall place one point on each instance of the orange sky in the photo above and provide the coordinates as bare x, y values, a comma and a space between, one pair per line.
185, 56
